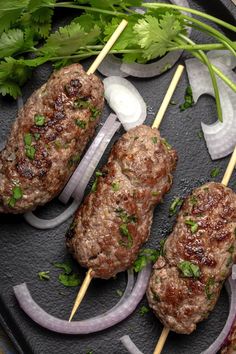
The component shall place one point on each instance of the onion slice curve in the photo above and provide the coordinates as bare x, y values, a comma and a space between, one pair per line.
38, 315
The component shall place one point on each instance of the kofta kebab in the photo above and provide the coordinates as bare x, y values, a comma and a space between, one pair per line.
112, 224
198, 256
46, 141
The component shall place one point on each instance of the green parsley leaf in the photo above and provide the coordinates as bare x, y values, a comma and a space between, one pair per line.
11, 202
165, 142
215, 172
154, 139
39, 120
95, 183
188, 99
208, 287
176, 202
44, 275
69, 279
193, 200
66, 266
155, 193
28, 139
81, 103
124, 231
189, 270
95, 112
11, 42
10, 12
37, 136
115, 186
157, 35
30, 152
145, 256
17, 193
144, 310
81, 123
193, 224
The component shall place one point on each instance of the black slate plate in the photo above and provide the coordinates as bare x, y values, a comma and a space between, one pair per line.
25, 251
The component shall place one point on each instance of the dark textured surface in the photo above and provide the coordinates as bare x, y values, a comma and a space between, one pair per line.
25, 251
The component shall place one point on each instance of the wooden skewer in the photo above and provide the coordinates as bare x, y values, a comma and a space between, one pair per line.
156, 123
225, 181
107, 47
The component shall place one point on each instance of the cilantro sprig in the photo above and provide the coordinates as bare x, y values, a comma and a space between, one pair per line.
25, 27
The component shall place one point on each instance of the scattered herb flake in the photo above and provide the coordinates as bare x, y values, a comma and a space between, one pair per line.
17, 193
81, 104
36, 136
154, 139
165, 142
145, 256
95, 183
144, 310
189, 270
200, 134
66, 266
208, 287
30, 152
193, 200
69, 279
28, 139
119, 292
44, 275
215, 172
193, 224
81, 123
39, 120
124, 231
95, 112
155, 193
175, 204
188, 99
115, 186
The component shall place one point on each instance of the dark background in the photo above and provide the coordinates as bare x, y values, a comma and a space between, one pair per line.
24, 251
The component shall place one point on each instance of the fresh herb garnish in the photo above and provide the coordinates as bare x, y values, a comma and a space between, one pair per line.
17, 194
115, 186
95, 183
189, 270
36, 136
124, 231
215, 172
28, 139
81, 123
155, 193
154, 139
145, 256
208, 287
200, 134
73, 160
95, 112
44, 275
125, 217
119, 292
193, 200
81, 104
175, 204
29, 149
67, 277
193, 225
165, 142
188, 100
144, 310
39, 120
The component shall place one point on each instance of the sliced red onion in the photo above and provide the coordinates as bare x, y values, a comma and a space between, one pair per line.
110, 66
38, 315
220, 136
223, 56
84, 163
126, 101
129, 345
231, 289
44, 224
80, 189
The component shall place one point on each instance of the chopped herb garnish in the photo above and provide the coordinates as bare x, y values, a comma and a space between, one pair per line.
44, 275
165, 142
30, 152
115, 186
231, 249
154, 139
229, 261
126, 218
119, 292
95, 183
17, 194
81, 104
28, 139
162, 247
189, 270
188, 100
36, 136
66, 266
136, 137
69, 279
74, 160
39, 120
144, 310
81, 123
193, 224
155, 193
200, 134
208, 287
175, 204
124, 231
145, 256
215, 172
95, 112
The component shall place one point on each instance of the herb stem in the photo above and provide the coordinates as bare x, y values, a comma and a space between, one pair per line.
85, 55
212, 46
86, 8
195, 12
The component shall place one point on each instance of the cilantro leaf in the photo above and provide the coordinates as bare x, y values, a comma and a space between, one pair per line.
143, 310
145, 256
10, 12
11, 42
157, 35
69, 39
66, 266
69, 279
10, 88
189, 270
44, 275
188, 99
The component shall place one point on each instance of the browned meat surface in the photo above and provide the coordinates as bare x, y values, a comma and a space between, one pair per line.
47, 139
230, 346
198, 255
115, 220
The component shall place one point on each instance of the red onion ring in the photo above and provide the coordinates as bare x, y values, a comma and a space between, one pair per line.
221, 339
38, 315
83, 165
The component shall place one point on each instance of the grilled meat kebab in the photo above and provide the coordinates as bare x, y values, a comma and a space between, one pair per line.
198, 256
115, 218
48, 138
